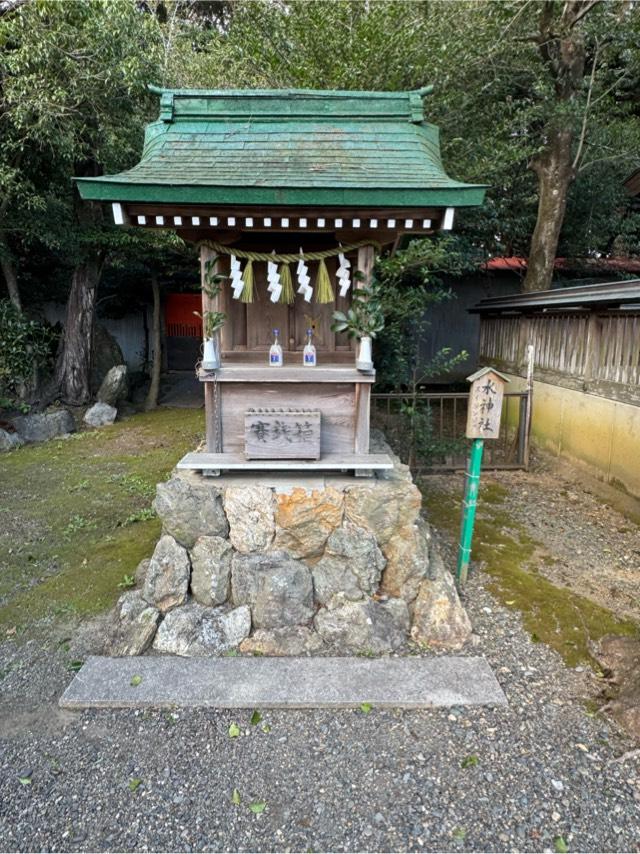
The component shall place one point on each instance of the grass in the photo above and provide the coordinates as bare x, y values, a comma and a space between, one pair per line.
76, 516
564, 620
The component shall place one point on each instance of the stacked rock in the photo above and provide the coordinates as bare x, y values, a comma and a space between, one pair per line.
349, 568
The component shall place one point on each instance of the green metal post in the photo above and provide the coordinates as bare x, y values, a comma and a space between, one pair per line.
469, 510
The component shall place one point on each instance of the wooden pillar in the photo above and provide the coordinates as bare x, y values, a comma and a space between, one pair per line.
366, 260
524, 339
212, 401
363, 409
592, 350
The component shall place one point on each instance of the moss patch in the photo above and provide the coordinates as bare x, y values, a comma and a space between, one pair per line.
564, 620
75, 514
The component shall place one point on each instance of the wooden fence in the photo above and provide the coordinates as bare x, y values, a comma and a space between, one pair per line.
427, 430
597, 352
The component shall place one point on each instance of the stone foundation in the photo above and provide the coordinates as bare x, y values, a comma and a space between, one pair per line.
282, 566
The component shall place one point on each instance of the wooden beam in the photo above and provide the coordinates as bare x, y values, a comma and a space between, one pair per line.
251, 373
329, 462
312, 214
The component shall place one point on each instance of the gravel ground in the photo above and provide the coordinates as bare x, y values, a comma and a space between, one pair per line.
540, 769
535, 776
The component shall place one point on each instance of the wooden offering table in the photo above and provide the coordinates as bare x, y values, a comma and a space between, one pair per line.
340, 393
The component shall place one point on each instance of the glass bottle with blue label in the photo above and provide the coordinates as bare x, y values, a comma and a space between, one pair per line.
275, 352
309, 352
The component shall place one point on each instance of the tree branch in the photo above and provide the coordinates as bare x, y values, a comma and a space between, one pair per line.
522, 8
581, 8
585, 117
632, 155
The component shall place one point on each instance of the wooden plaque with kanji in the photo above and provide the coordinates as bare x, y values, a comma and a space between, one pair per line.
485, 404
282, 434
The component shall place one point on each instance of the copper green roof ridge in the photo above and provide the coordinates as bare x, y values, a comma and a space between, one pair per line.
361, 93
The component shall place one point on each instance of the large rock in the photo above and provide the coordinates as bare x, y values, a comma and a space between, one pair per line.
141, 571
114, 386
190, 509
100, 415
407, 554
10, 440
306, 519
44, 426
286, 640
439, 619
277, 588
211, 570
619, 658
105, 354
383, 507
167, 578
249, 511
134, 625
369, 626
195, 630
352, 564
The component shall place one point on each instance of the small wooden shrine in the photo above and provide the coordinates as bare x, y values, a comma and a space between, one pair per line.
287, 194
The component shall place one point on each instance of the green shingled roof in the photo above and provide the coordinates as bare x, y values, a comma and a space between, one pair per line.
288, 147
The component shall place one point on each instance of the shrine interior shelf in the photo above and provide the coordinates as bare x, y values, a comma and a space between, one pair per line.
287, 374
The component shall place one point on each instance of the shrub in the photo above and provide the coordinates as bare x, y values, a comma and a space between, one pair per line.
25, 346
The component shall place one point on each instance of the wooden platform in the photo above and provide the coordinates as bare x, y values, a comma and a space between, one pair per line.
247, 373
329, 462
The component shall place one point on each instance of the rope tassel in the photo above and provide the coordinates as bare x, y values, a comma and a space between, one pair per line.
247, 276
286, 295
324, 291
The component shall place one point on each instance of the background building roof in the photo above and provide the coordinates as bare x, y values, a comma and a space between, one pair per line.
606, 295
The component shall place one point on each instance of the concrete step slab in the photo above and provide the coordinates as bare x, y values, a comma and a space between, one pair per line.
282, 683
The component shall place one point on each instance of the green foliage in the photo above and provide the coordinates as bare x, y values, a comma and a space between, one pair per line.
494, 97
415, 436
74, 99
24, 344
409, 284
73, 95
211, 321
365, 317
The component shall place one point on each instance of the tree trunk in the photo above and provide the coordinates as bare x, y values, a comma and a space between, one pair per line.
156, 344
561, 46
9, 273
73, 368
555, 173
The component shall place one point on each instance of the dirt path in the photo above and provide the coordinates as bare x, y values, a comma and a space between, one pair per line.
585, 544
553, 548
